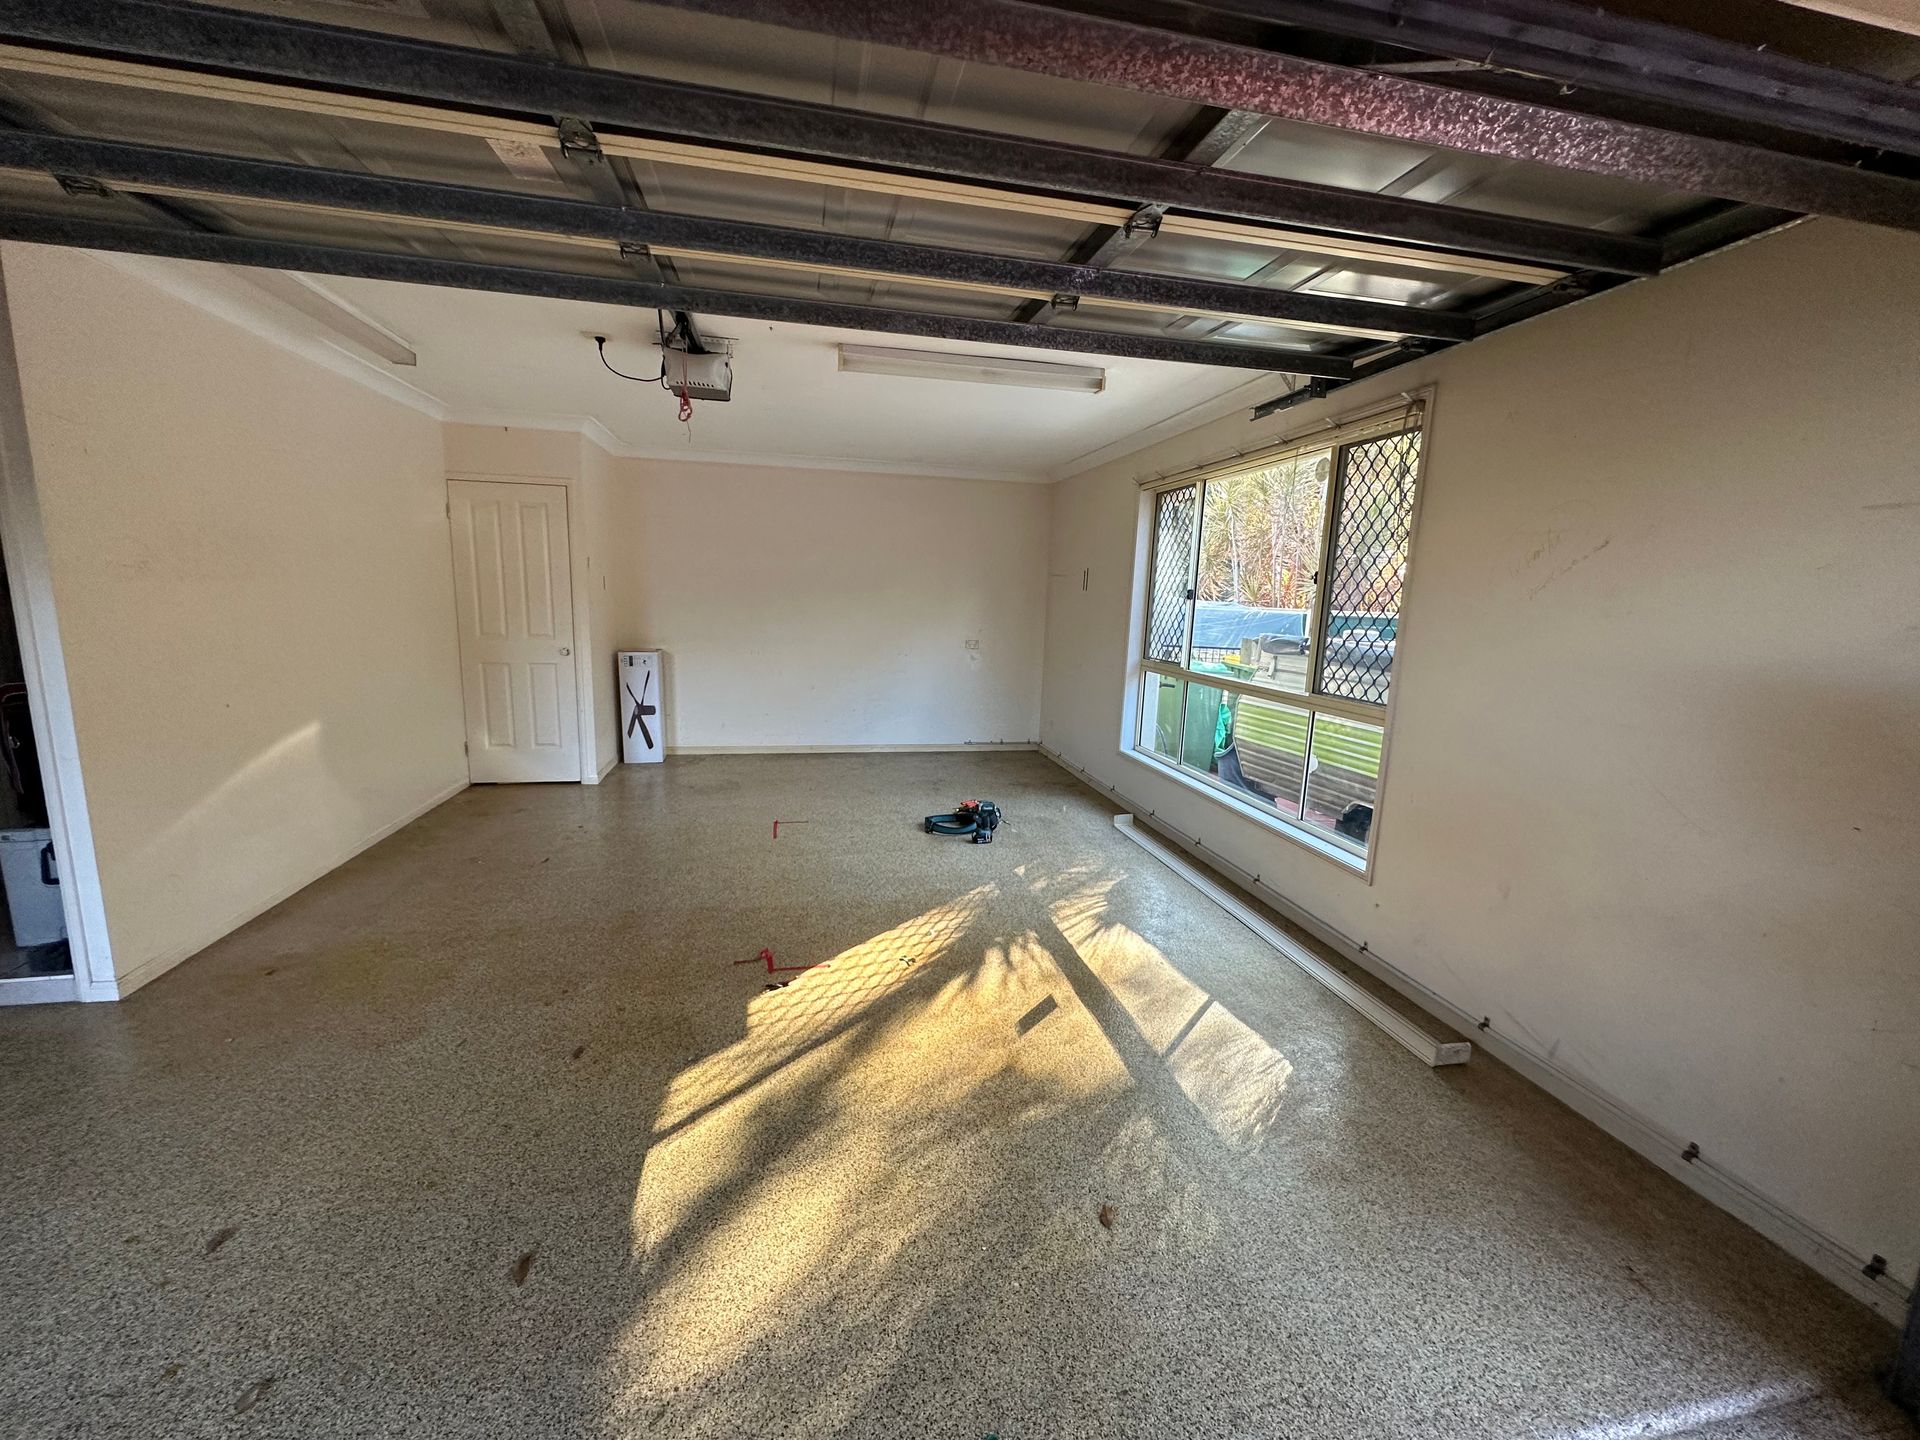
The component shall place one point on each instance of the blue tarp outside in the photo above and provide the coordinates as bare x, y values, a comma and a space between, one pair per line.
1220, 626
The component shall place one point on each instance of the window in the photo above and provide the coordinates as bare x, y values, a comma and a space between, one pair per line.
1273, 617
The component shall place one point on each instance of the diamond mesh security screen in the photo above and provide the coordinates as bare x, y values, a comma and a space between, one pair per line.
1368, 566
1172, 573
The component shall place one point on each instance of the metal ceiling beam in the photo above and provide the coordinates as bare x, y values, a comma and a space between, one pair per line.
324, 55
417, 269
1225, 136
1078, 46
1730, 225
76, 67
1587, 46
1222, 137
527, 31
17, 117
196, 175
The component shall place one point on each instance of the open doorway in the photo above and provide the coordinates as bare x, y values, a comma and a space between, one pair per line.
54, 945
35, 960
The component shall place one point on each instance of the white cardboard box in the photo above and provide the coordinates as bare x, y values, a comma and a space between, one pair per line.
643, 739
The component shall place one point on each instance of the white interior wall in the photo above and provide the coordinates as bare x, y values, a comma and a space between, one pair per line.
248, 562
1654, 795
797, 608
806, 608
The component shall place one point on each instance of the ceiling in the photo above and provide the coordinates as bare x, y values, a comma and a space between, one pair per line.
514, 359
1219, 201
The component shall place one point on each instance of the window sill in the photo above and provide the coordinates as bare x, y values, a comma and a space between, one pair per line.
1355, 865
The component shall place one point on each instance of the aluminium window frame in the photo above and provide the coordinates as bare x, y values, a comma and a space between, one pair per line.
1153, 569
1408, 410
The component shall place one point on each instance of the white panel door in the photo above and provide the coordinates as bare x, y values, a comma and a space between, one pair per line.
513, 587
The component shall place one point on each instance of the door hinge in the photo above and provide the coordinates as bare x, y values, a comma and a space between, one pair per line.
466, 747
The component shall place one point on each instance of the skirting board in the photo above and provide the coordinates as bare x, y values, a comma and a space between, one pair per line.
1799, 1237
125, 985
852, 749
1390, 1020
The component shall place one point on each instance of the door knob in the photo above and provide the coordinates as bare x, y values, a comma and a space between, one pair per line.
566, 650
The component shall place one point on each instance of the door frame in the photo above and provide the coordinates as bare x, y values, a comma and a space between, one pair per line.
23, 541
583, 651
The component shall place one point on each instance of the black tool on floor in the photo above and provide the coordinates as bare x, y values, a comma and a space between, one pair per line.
978, 818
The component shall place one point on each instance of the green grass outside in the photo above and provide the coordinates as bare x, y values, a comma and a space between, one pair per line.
1281, 727
1356, 747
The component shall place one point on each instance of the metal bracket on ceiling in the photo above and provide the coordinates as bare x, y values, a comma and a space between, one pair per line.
577, 138
1395, 352
1144, 223
1315, 389
579, 145
1063, 302
83, 185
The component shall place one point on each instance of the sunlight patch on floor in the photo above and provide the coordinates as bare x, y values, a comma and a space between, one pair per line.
784, 1023
791, 1170
1233, 1077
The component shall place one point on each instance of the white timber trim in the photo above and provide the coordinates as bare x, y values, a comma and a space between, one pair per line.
23, 541
944, 749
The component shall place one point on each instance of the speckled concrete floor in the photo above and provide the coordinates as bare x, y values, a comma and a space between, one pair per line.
292, 1188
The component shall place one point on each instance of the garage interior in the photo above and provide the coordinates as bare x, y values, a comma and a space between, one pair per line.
521, 516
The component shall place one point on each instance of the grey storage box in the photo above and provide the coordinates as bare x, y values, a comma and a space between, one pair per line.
33, 887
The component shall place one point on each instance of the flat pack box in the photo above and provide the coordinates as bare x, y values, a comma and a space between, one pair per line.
643, 739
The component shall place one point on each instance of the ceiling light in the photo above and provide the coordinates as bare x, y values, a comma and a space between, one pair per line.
330, 312
979, 369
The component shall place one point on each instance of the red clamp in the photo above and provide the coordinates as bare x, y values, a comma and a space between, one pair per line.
773, 969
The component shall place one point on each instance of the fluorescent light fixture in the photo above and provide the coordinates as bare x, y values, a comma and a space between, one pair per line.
327, 310
977, 369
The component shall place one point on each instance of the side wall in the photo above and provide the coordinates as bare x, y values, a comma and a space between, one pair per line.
249, 563
803, 608
1653, 803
